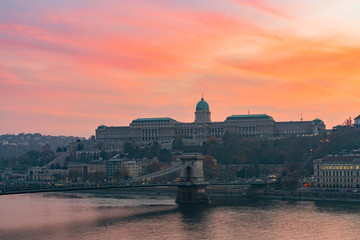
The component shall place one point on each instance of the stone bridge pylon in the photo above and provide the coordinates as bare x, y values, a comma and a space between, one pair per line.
192, 185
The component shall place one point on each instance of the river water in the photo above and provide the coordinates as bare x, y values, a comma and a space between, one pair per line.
115, 216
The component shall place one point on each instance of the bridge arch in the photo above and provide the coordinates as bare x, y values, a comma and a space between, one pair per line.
192, 187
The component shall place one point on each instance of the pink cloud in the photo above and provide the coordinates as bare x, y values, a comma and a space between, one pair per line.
113, 62
264, 6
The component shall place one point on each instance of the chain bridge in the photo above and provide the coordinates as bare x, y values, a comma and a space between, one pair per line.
191, 187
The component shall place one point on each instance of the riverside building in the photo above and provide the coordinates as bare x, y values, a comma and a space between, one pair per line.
337, 172
165, 130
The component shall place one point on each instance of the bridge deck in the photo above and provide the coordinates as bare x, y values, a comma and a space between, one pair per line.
98, 187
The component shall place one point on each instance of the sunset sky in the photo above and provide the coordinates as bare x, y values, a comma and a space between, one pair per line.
69, 66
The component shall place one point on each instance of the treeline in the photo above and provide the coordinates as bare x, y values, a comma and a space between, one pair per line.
341, 141
154, 150
15, 145
236, 149
31, 158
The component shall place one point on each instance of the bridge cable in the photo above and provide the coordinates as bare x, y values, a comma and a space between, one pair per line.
163, 172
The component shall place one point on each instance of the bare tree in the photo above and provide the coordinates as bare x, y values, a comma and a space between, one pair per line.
347, 122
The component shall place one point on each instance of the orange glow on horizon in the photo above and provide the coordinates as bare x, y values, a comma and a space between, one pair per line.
68, 68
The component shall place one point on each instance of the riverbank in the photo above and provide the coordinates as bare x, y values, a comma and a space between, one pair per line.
228, 193
312, 195
215, 192
297, 195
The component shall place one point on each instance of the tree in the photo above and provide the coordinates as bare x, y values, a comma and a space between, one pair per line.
210, 162
154, 167
164, 156
348, 122
124, 173
30, 158
153, 150
74, 175
96, 176
210, 145
80, 147
116, 175
128, 147
177, 144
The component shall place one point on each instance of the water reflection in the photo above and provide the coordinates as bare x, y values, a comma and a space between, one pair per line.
337, 207
89, 216
194, 218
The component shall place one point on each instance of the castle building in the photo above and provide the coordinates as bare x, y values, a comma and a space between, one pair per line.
165, 129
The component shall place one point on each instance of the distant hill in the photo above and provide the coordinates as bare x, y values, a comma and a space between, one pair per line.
14, 145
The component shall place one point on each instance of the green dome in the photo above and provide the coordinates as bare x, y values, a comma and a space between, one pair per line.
317, 121
202, 105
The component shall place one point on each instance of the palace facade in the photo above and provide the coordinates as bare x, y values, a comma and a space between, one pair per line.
164, 130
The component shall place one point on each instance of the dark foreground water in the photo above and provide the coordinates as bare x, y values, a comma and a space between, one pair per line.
114, 216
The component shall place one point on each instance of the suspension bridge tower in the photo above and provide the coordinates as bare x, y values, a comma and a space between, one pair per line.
192, 184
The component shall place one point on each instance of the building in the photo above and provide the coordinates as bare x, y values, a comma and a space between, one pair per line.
46, 174
81, 168
113, 165
357, 121
337, 172
133, 167
165, 129
117, 167
96, 166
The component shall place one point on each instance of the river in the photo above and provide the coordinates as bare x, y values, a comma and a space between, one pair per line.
117, 216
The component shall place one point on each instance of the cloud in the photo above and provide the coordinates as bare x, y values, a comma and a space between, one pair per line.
265, 7
109, 63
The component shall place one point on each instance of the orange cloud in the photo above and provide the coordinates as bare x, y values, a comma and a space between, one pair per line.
114, 62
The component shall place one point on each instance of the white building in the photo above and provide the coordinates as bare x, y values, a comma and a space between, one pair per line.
337, 172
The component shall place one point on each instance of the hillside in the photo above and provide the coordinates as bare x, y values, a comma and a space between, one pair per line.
15, 145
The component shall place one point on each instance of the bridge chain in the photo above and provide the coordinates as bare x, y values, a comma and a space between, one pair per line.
163, 172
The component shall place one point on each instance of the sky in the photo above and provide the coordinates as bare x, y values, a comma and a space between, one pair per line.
68, 66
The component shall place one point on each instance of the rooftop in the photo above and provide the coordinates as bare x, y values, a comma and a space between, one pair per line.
341, 158
102, 127
299, 122
249, 116
153, 120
